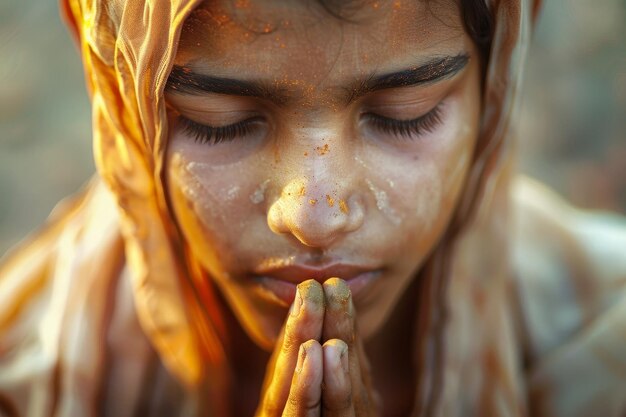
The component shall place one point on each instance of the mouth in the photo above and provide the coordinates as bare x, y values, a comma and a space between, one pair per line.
279, 284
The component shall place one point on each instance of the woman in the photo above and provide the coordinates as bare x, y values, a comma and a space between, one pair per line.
309, 208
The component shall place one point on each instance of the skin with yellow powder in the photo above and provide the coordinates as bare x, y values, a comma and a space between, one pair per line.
326, 155
308, 208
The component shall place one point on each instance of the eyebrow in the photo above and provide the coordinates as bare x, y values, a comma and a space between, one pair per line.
182, 80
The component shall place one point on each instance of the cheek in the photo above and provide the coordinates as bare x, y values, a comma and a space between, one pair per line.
420, 198
215, 206
212, 205
440, 178
437, 187
206, 201
443, 181
419, 190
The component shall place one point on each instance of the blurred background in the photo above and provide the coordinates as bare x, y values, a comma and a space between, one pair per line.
572, 129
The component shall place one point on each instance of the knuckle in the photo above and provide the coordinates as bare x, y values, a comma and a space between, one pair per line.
290, 343
296, 332
296, 402
294, 337
313, 404
293, 401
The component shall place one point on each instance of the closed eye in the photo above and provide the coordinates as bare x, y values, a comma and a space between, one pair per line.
406, 129
212, 135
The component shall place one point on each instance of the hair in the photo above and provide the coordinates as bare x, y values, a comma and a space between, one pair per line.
478, 22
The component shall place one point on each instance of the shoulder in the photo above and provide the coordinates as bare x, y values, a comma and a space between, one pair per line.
570, 269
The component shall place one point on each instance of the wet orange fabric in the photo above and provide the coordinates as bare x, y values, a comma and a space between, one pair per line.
100, 312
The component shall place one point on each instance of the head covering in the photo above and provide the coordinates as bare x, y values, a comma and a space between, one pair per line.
120, 232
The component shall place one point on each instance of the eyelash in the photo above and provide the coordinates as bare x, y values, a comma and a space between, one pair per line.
212, 135
407, 128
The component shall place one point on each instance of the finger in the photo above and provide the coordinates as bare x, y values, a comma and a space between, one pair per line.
303, 323
338, 316
339, 323
337, 387
306, 385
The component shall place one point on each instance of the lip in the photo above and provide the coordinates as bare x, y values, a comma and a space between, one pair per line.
279, 284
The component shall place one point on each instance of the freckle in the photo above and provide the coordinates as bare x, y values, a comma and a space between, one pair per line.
330, 201
306, 154
302, 191
312, 201
343, 206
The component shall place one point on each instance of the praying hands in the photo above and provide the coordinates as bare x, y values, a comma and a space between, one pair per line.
319, 365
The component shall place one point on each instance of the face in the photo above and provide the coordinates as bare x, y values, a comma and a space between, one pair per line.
303, 146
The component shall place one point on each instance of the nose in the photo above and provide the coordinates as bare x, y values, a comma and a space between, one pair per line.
317, 212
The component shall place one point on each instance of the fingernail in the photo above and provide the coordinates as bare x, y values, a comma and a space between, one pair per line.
343, 357
301, 358
297, 304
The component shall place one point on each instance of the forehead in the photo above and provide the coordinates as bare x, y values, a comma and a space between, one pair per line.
313, 42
